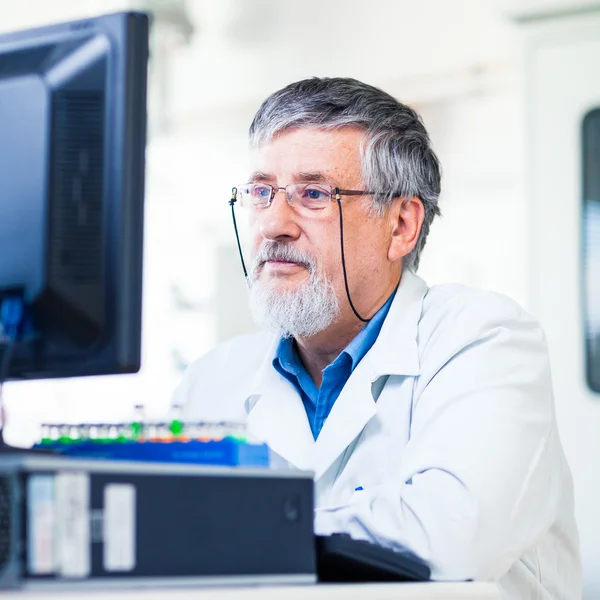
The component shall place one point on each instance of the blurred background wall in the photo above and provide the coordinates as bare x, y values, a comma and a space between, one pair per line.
502, 87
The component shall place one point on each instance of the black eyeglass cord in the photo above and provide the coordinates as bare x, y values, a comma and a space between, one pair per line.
339, 203
237, 236
239, 246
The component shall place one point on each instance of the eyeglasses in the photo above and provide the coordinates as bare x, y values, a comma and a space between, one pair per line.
306, 196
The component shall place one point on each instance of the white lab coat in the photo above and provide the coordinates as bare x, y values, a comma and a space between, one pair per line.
447, 424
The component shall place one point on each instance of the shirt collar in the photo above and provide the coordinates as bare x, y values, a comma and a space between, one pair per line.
286, 356
395, 351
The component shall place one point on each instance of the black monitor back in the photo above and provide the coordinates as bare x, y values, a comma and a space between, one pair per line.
72, 148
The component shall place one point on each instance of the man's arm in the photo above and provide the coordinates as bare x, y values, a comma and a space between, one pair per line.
481, 476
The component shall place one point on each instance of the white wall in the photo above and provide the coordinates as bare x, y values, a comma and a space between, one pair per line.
562, 57
481, 239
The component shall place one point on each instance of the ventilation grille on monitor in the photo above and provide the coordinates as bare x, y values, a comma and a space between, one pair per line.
5, 518
77, 186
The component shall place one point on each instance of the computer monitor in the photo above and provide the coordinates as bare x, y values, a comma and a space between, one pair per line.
72, 162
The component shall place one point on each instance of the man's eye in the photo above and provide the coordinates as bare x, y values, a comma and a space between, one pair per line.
315, 193
259, 191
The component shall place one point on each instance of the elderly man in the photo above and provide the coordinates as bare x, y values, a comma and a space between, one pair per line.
426, 414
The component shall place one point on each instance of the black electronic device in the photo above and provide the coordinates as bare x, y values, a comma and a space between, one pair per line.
340, 558
72, 148
590, 156
89, 523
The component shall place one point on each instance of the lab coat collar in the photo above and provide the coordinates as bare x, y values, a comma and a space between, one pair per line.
277, 415
395, 352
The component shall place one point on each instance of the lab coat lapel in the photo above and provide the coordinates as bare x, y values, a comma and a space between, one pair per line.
395, 352
352, 410
276, 415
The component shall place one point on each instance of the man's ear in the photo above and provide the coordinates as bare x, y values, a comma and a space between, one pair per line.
406, 219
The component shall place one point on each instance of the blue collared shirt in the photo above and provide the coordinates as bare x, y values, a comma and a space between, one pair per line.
318, 402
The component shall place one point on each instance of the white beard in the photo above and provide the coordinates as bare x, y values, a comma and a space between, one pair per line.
301, 312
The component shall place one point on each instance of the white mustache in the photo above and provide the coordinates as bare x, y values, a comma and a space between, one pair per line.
282, 252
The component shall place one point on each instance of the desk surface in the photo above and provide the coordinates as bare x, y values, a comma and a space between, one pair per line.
412, 591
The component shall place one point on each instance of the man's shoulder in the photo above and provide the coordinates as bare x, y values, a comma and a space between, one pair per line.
246, 352
469, 338
454, 298
466, 313
222, 374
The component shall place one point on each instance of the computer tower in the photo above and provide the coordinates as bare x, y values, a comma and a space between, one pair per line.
70, 522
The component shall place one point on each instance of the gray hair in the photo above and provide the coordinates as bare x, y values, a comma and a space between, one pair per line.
397, 158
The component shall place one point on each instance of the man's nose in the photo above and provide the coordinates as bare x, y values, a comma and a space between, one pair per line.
279, 221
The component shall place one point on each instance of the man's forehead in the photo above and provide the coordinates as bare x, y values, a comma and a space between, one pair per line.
316, 176
317, 153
